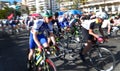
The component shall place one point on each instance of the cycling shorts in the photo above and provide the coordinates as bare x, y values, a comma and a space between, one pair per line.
42, 39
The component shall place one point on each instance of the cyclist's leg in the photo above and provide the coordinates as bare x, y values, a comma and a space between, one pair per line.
87, 47
32, 46
87, 39
49, 40
50, 65
43, 41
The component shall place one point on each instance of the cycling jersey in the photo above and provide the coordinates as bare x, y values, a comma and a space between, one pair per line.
86, 24
89, 25
40, 26
63, 22
12, 23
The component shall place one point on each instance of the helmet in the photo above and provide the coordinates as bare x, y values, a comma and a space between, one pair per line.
56, 14
101, 15
47, 13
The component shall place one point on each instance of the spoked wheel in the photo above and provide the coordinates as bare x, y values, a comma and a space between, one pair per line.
102, 59
48, 65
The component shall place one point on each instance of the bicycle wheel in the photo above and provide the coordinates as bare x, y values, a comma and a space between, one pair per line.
48, 65
102, 59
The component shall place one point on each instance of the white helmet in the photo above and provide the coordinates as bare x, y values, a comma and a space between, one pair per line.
101, 15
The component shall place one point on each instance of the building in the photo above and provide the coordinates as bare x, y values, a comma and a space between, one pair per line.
24, 2
37, 6
110, 6
4, 4
54, 6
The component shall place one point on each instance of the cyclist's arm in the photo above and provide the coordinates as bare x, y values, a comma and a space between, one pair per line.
52, 38
35, 30
50, 26
35, 38
91, 30
93, 34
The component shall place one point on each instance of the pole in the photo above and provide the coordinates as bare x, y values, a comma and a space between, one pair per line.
51, 5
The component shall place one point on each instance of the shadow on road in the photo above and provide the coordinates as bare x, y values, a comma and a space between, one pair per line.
13, 53
117, 56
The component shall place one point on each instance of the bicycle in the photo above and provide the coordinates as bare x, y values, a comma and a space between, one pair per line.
66, 41
101, 58
41, 61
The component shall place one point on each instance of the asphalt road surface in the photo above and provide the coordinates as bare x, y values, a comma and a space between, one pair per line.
13, 55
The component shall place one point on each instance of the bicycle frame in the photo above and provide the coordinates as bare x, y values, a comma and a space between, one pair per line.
42, 62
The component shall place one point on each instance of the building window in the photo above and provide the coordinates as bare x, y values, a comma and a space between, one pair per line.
116, 8
109, 9
103, 9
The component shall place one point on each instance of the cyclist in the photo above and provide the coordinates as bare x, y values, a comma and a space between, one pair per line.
53, 23
37, 36
30, 23
56, 24
89, 33
63, 21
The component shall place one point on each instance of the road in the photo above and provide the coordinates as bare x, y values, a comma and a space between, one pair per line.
13, 55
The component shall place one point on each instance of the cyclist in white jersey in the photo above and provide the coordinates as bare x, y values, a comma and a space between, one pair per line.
37, 36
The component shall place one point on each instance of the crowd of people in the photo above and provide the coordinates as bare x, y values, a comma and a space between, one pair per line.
42, 30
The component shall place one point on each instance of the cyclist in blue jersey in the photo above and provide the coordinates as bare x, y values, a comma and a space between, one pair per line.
37, 34
63, 23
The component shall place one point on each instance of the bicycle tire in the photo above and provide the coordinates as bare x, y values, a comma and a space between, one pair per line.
99, 56
48, 65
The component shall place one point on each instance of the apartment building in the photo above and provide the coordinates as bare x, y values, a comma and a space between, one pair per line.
24, 2
110, 6
36, 6
4, 4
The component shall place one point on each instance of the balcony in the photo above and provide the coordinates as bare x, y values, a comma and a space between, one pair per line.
100, 2
97, 1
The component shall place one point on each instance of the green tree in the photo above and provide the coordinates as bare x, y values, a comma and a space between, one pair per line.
41, 8
33, 8
27, 10
83, 2
7, 11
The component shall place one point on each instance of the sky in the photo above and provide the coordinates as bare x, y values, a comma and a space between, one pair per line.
11, 0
